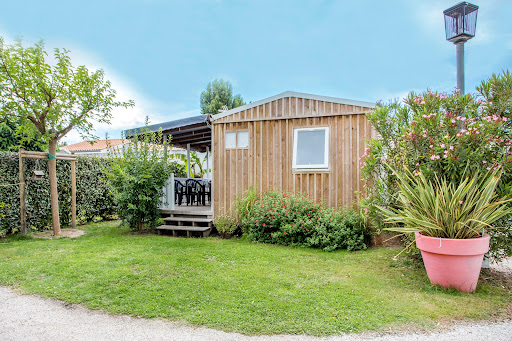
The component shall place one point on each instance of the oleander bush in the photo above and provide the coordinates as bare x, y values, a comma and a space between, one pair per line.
296, 220
94, 199
445, 136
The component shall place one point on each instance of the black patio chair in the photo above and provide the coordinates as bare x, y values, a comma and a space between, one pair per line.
180, 191
208, 190
195, 192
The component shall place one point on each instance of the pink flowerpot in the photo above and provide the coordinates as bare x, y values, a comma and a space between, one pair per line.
453, 263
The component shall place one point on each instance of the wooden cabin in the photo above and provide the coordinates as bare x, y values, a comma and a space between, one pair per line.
292, 141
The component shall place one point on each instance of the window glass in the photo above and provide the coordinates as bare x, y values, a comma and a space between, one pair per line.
243, 139
310, 150
230, 140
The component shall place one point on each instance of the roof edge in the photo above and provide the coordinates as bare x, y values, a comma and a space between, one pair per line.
293, 94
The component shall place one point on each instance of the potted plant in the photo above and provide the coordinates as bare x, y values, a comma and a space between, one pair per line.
448, 220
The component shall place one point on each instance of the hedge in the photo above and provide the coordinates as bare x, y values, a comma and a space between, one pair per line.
94, 197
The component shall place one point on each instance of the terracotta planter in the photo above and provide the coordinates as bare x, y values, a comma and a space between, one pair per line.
453, 263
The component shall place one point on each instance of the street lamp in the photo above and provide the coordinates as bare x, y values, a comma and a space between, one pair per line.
460, 26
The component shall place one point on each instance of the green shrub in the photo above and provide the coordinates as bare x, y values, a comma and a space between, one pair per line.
137, 175
94, 197
443, 209
296, 220
243, 205
226, 225
442, 135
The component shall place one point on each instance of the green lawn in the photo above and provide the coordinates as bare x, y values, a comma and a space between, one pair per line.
235, 285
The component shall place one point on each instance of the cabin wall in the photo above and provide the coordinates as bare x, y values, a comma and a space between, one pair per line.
268, 160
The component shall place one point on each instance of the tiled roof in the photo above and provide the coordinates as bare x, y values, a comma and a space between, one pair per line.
93, 145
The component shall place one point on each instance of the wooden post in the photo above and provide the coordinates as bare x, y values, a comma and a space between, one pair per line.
23, 201
208, 163
73, 194
188, 161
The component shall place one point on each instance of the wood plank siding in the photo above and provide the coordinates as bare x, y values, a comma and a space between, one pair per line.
268, 159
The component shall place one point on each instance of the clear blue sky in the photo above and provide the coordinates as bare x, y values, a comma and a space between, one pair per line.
163, 53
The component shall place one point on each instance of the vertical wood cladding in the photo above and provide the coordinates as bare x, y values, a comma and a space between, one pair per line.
268, 159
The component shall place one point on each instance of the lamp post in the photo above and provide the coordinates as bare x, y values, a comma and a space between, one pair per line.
460, 26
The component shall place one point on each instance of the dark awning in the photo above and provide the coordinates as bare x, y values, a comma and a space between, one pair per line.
195, 131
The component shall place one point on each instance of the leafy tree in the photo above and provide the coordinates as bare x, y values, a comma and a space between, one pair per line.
51, 99
12, 140
137, 174
218, 94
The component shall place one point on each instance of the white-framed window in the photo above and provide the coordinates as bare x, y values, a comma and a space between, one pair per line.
236, 139
230, 140
311, 148
242, 139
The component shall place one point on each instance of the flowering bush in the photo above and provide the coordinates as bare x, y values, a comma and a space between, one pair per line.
440, 134
293, 219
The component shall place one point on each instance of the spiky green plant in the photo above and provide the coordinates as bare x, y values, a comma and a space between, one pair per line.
443, 209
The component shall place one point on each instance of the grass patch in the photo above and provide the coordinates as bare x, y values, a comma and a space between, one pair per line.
235, 285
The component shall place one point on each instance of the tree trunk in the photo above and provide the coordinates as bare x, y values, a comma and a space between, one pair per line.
54, 195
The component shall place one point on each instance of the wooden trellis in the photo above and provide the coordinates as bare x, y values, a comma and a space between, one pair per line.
41, 155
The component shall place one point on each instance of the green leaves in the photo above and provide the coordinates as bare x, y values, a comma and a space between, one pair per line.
218, 94
439, 208
93, 192
137, 174
52, 98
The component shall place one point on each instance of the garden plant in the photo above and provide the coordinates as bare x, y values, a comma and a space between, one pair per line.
445, 137
137, 174
297, 220
448, 220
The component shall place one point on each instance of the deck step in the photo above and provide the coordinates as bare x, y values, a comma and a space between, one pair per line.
190, 219
184, 228
205, 230
184, 211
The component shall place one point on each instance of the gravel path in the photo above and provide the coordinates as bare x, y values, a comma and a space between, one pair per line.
26, 317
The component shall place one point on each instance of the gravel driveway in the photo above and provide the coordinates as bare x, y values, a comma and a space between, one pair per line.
26, 317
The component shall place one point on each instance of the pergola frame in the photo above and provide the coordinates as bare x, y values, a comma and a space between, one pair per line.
192, 133
23, 196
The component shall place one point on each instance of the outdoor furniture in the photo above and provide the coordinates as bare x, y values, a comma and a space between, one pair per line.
195, 192
179, 192
208, 190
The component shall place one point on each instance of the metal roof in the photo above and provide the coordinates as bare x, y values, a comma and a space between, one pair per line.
294, 94
195, 130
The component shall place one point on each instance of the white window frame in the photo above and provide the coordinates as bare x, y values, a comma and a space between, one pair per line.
238, 139
225, 139
236, 132
323, 166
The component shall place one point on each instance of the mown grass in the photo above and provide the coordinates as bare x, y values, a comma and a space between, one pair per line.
235, 285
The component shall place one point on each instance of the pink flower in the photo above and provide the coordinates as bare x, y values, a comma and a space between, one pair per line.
451, 147
443, 145
461, 202
484, 162
504, 119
